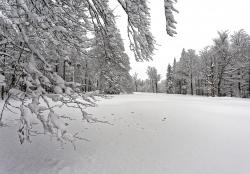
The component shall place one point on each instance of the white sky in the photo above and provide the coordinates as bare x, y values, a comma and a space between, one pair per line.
198, 23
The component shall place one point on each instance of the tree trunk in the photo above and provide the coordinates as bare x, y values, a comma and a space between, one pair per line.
192, 93
180, 92
85, 84
64, 70
3, 73
97, 85
156, 86
219, 87
239, 87
249, 82
56, 66
2, 93
136, 86
152, 85
90, 85
86, 77
219, 84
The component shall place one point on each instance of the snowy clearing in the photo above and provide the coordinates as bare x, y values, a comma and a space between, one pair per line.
151, 134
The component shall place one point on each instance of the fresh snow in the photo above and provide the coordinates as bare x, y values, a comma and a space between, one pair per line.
147, 134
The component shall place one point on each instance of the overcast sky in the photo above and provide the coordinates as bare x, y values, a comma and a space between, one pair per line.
198, 23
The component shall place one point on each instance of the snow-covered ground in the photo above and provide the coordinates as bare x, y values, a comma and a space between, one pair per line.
151, 134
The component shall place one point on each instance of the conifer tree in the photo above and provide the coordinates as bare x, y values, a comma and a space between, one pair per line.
169, 80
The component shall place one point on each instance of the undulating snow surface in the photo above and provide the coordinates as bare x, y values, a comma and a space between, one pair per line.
151, 134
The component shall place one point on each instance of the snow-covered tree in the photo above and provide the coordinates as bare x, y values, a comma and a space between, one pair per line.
223, 59
135, 81
57, 51
170, 21
154, 78
221, 69
37, 35
189, 63
208, 71
169, 80
111, 62
240, 63
181, 75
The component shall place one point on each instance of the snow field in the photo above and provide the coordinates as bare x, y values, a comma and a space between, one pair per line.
150, 134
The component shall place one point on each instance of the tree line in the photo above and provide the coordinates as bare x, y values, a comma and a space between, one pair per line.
149, 85
221, 69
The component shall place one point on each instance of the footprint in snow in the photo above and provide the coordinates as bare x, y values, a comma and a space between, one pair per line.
163, 119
